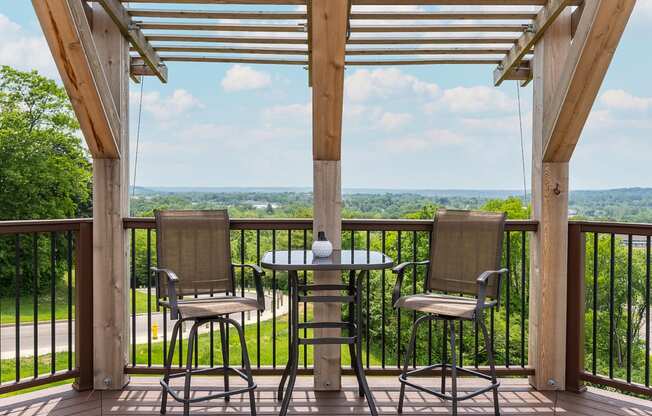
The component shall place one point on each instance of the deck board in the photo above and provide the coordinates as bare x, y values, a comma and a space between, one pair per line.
142, 397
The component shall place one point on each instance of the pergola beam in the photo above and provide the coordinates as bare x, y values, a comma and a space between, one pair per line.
300, 28
544, 19
129, 30
68, 33
363, 2
598, 34
376, 15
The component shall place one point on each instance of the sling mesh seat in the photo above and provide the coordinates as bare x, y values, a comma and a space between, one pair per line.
195, 281
464, 263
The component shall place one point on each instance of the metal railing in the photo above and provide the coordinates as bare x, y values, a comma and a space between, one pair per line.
45, 286
610, 265
385, 330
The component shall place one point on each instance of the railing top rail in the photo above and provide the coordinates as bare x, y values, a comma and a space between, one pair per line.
39, 226
614, 227
347, 224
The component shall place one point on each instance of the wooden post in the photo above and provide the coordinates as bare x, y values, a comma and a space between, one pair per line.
575, 311
328, 38
110, 205
84, 307
548, 254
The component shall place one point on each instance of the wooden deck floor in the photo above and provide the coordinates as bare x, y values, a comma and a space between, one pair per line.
142, 397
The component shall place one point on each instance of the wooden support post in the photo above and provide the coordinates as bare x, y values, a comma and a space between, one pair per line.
550, 207
84, 307
575, 310
110, 205
328, 37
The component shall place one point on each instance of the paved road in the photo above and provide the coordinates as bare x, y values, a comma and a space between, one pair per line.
44, 329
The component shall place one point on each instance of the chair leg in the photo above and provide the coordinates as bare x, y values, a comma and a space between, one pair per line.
294, 350
225, 358
408, 354
290, 363
351, 333
192, 338
168, 365
492, 364
444, 358
453, 368
247, 366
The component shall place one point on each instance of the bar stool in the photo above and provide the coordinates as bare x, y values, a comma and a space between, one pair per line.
465, 256
194, 260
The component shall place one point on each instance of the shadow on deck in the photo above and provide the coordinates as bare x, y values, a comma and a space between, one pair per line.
142, 397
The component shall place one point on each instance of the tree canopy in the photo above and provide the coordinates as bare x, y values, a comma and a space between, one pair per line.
45, 171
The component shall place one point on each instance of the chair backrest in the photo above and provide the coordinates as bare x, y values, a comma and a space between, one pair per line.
465, 244
196, 246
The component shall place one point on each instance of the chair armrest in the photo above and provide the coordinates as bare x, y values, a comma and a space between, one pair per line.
400, 271
258, 282
172, 289
483, 281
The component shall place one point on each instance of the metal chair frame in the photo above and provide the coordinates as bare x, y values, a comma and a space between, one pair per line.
449, 323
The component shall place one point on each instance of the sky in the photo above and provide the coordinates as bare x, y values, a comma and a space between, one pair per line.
434, 127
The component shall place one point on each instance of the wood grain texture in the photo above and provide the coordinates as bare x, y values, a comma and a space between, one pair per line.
135, 36
143, 397
110, 205
599, 30
327, 191
544, 19
328, 44
68, 34
548, 255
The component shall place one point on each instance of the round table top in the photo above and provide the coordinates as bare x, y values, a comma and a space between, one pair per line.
338, 260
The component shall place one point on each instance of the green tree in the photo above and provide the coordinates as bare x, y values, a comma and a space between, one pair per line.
44, 170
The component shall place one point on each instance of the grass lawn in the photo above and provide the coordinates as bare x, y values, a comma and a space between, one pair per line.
8, 367
8, 306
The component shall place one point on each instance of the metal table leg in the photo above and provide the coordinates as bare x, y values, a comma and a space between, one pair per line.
293, 361
362, 380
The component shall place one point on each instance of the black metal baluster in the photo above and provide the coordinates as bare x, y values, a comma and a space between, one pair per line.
367, 315
523, 269
430, 320
508, 261
382, 297
629, 308
53, 293
149, 297
398, 311
17, 300
595, 303
612, 271
273, 304
305, 308
165, 336
243, 249
133, 297
258, 312
414, 292
35, 299
69, 259
647, 311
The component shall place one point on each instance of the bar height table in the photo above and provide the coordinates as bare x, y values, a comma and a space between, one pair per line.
353, 261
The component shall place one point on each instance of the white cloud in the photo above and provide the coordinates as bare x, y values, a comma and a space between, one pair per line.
472, 99
427, 140
622, 100
244, 78
364, 84
392, 121
166, 108
291, 112
24, 51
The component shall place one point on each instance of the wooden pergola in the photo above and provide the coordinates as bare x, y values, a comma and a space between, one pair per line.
563, 46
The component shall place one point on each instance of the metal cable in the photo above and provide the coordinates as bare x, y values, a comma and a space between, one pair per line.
140, 113
520, 122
